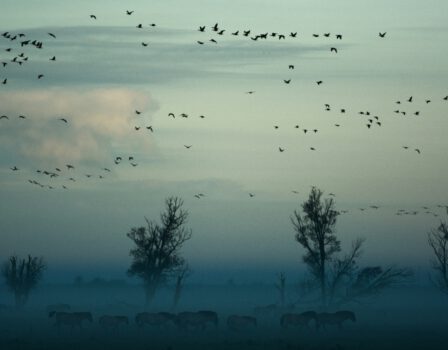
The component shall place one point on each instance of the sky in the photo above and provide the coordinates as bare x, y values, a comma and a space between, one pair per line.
102, 74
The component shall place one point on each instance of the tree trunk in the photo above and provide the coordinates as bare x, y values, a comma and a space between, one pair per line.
150, 291
177, 292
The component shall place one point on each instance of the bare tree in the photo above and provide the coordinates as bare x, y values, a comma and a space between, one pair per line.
22, 276
281, 287
438, 241
340, 279
315, 232
156, 255
183, 273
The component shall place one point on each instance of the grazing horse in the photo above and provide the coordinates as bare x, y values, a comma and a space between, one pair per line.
336, 318
188, 320
112, 322
209, 317
241, 323
73, 319
159, 319
298, 320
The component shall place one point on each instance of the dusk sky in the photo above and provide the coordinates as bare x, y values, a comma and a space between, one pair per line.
102, 74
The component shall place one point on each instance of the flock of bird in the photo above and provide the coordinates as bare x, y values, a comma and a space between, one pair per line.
19, 43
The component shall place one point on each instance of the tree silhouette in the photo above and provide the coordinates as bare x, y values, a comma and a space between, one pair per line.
438, 241
22, 276
156, 255
183, 272
339, 278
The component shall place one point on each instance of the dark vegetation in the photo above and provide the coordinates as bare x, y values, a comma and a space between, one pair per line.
331, 308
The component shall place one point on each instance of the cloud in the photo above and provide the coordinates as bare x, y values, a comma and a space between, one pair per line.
99, 121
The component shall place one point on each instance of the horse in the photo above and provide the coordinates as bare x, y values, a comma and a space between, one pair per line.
73, 319
159, 319
336, 318
241, 323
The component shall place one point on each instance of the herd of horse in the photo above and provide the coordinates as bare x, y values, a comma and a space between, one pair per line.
198, 320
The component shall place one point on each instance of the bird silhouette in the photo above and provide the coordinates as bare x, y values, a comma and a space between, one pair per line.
22, 117
145, 44
281, 149
136, 128
417, 150
106, 169
410, 99
382, 35
339, 36
129, 12
150, 128
137, 112
201, 28
287, 81
319, 82
333, 49
69, 166
236, 33
4, 117
134, 164
139, 26
14, 168
291, 66
215, 28
52, 35
293, 35
40, 76
251, 195
213, 41
93, 16
63, 120
188, 146
53, 58
200, 42
171, 115
312, 149
326, 35
5, 81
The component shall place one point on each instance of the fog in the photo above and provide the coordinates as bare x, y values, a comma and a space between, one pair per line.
411, 317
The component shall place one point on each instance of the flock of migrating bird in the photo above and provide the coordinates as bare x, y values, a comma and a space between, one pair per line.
22, 42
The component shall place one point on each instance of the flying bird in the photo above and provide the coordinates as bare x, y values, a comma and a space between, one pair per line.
382, 35
93, 16
40, 76
145, 44
291, 66
319, 82
129, 12
53, 58
287, 81
14, 168
333, 49
69, 166
251, 195
339, 36
417, 150
150, 128
188, 146
64, 120
201, 29
171, 115
281, 149
52, 35
4, 117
